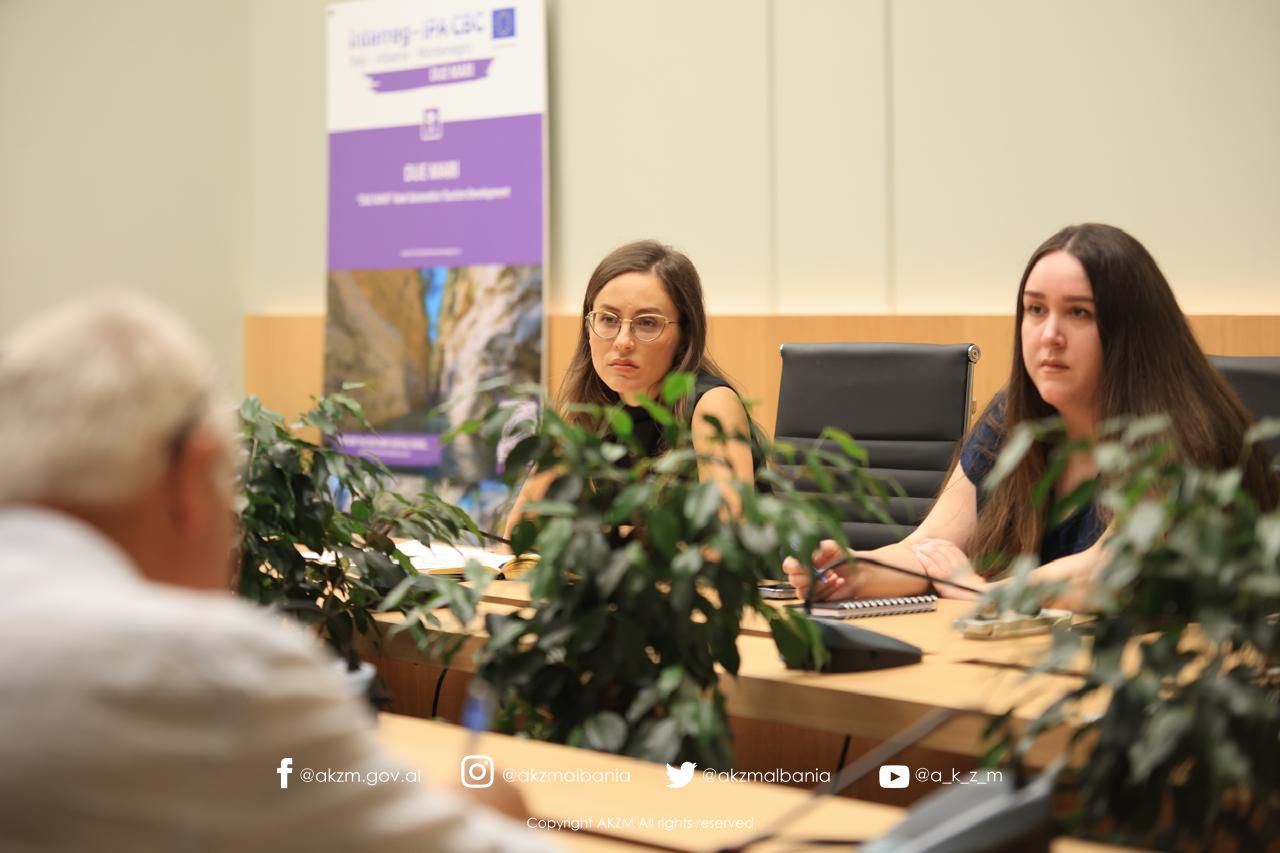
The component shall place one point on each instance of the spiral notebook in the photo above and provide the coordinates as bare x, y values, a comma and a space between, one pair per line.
860, 607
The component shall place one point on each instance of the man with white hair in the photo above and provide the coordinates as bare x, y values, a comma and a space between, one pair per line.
142, 706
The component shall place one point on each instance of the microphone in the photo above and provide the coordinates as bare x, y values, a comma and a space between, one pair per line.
854, 649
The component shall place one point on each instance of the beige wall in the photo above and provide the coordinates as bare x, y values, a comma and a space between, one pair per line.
812, 156
124, 158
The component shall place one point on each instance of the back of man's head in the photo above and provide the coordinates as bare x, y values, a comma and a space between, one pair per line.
110, 415
94, 394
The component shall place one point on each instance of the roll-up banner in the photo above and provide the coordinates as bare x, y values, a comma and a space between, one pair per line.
437, 185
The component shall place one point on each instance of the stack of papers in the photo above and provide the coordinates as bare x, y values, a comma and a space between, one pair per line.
452, 559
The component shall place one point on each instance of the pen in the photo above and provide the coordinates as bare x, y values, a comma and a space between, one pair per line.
827, 570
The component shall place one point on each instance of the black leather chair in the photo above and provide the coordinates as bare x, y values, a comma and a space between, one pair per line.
1256, 378
907, 406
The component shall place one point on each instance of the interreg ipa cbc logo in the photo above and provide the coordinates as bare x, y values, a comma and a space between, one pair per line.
476, 771
504, 23
682, 776
285, 768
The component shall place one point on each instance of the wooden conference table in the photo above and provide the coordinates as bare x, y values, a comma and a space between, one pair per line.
803, 711
637, 810
931, 632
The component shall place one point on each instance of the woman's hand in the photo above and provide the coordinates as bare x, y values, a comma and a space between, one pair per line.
835, 584
945, 561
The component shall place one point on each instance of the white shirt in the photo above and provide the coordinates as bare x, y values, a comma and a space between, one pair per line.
136, 716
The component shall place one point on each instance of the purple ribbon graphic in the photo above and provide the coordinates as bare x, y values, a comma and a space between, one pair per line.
410, 450
430, 75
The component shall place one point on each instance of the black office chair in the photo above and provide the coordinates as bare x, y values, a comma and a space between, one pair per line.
907, 406
1256, 379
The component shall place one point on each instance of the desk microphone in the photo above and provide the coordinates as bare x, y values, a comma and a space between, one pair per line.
851, 648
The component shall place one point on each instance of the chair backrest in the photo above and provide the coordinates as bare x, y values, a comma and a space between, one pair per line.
907, 406
1256, 379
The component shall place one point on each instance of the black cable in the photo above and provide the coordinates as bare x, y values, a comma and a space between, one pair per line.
844, 753
493, 537
435, 701
819, 571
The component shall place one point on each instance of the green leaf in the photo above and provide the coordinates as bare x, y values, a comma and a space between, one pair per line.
1158, 740
677, 386
664, 531
620, 562
846, 443
759, 539
701, 505
393, 599
670, 679
620, 422
504, 631
554, 537
605, 731
1141, 429
551, 508
478, 575
660, 414
1264, 430
612, 452
646, 698
1227, 484
1079, 497
687, 563
658, 741
467, 427
628, 502
1015, 448
798, 641
1268, 533
1145, 524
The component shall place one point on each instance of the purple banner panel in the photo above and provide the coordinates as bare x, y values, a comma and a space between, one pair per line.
441, 193
401, 450
430, 75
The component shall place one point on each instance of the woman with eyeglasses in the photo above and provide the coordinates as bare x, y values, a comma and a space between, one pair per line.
643, 319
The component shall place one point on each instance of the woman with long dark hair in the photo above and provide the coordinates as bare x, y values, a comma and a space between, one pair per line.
642, 319
1097, 334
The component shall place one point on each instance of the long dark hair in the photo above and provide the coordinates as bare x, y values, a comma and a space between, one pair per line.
1151, 364
680, 279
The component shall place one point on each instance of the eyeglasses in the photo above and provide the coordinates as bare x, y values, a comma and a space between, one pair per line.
645, 327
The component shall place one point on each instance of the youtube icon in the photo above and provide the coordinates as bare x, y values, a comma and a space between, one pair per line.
895, 776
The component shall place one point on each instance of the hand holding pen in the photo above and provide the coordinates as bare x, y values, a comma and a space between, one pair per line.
835, 569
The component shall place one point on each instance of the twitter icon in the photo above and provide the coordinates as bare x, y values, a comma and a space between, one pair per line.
682, 776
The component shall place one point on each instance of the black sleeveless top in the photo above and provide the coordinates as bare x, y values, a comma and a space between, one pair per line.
1073, 534
648, 432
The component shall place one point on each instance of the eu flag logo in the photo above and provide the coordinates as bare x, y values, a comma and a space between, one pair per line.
504, 23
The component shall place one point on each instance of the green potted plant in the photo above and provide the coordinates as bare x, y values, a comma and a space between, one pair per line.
1184, 639
642, 582
318, 529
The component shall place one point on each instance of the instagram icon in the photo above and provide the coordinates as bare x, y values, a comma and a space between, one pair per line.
477, 771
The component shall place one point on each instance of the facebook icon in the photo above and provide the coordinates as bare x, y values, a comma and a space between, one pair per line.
504, 23
285, 768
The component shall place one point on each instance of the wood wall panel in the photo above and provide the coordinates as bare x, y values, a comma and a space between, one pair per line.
284, 354
284, 360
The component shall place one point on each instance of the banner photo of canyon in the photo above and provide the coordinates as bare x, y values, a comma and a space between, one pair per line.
422, 341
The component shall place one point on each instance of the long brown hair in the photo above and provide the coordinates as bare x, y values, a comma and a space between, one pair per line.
1151, 364
680, 279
